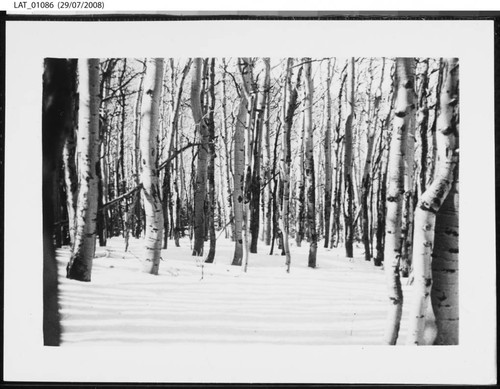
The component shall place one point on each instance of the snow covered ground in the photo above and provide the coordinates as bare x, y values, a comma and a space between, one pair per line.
341, 302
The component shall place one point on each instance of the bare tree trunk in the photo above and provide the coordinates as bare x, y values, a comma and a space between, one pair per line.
423, 123
268, 171
59, 81
137, 153
246, 69
290, 101
149, 151
336, 202
69, 157
348, 162
227, 149
80, 264
328, 155
239, 178
432, 198
200, 189
407, 221
309, 164
211, 163
444, 292
395, 191
262, 92
301, 189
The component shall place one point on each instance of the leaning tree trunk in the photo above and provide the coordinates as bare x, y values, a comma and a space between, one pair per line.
395, 191
431, 200
80, 264
201, 130
309, 165
349, 192
149, 150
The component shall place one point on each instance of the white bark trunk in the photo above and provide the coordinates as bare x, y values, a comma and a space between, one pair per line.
149, 176
80, 265
395, 190
432, 198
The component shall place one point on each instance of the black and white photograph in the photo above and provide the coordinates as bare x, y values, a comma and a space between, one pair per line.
283, 198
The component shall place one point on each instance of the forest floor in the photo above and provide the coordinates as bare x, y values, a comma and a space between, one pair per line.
341, 302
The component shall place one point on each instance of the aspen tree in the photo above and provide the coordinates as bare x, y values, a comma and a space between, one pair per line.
211, 162
395, 191
309, 164
268, 169
149, 176
80, 264
201, 130
328, 155
69, 150
370, 137
408, 204
239, 176
260, 107
246, 69
59, 80
431, 200
348, 162
444, 292
290, 105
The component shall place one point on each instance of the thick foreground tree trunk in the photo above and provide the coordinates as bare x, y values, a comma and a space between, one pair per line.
80, 264
149, 150
431, 200
444, 292
58, 89
395, 191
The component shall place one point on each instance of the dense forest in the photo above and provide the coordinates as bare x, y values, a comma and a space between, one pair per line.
269, 153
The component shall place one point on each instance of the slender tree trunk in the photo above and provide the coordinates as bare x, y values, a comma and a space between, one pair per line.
423, 123
366, 182
301, 189
246, 69
80, 264
227, 150
395, 191
328, 156
348, 162
137, 153
149, 151
69, 160
200, 188
309, 164
262, 92
431, 200
290, 101
211, 163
